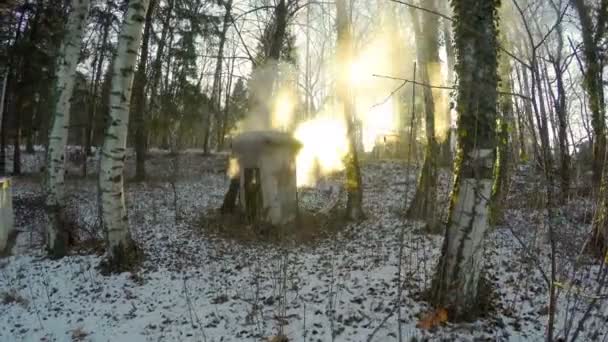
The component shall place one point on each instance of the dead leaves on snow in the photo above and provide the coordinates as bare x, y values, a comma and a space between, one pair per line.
433, 319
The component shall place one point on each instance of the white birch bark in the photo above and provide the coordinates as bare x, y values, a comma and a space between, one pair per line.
114, 212
58, 136
467, 229
456, 284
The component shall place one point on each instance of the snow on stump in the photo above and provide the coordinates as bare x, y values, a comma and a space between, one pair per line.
7, 227
267, 176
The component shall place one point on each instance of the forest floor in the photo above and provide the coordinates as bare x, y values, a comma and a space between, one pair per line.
200, 285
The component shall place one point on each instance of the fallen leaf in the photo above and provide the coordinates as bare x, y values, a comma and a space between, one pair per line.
433, 319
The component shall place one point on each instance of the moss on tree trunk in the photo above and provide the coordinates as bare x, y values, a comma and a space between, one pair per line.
456, 285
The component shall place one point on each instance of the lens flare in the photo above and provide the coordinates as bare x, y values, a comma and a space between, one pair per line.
378, 122
324, 146
374, 108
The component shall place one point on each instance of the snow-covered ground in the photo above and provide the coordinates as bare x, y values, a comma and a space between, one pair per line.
199, 286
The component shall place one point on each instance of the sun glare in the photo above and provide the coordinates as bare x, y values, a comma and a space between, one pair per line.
324, 146
378, 122
282, 114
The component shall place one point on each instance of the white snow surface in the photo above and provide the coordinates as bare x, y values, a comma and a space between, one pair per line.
195, 287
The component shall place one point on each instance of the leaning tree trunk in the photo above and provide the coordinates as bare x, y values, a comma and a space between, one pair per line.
58, 233
354, 201
424, 203
456, 283
121, 248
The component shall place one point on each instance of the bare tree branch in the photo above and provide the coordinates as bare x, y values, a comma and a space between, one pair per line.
447, 17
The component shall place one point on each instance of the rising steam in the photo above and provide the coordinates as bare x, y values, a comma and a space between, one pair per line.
274, 103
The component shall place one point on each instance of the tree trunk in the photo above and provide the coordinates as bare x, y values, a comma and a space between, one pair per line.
528, 109
521, 141
122, 251
551, 104
153, 108
139, 99
541, 115
354, 202
501, 167
157, 66
3, 122
2, 104
456, 283
27, 95
278, 37
22, 108
227, 99
17, 144
7, 99
58, 233
307, 76
4, 129
216, 93
600, 220
445, 148
562, 119
424, 203
593, 83
90, 128
29, 127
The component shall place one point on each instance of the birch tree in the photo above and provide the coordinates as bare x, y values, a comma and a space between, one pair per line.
58, 234
121, 248
456, 283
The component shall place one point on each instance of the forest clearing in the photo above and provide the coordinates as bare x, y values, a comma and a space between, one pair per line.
199, 285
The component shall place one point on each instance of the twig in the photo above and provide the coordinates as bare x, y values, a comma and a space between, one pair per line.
444, 87
527, 250
581, 322
390, 95
389, 315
